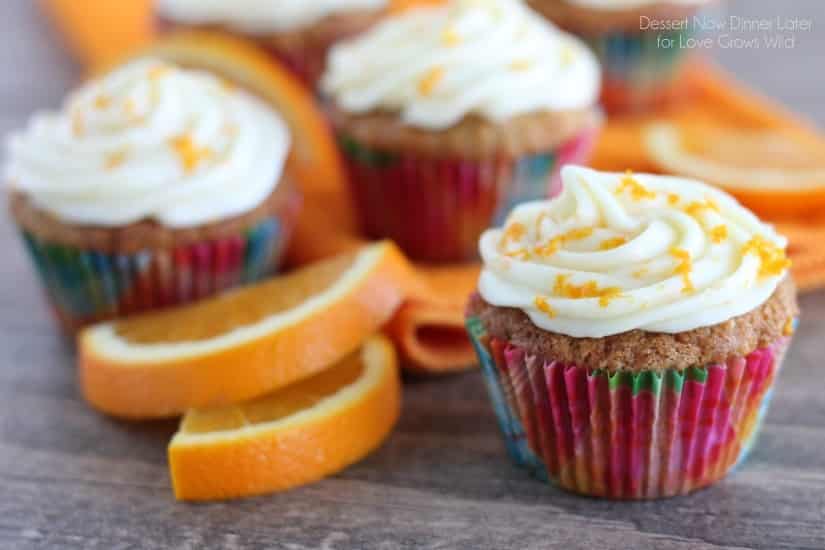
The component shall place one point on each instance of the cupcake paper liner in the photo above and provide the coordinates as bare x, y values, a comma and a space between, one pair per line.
437, 208
86, 286
626, 435
641, 70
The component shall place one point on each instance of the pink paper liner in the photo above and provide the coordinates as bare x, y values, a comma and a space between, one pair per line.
627, 436
437, 208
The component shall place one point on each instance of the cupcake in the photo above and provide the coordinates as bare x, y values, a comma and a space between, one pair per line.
298, 32
449, 115
640, 44
630, 332
153, 186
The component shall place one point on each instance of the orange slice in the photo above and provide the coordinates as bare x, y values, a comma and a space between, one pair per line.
771, 171
293, 436
242, 344
314, 160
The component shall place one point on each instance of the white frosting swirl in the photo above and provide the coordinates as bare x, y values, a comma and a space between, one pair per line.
260, 16
494, 58
630, 4
151, 141
617, 252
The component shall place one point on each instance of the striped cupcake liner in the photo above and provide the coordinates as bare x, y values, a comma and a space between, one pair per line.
86, 286
626, 435
437, 208
641, 70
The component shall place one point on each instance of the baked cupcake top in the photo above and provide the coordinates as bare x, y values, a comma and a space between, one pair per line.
436, 65
619, 252
150, 141
260, 16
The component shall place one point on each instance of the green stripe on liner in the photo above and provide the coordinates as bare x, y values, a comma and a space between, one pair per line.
697, 374
359, 153
637, 382
652, 381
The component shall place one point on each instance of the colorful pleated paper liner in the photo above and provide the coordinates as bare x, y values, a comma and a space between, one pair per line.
437, 208
428, 330
626, 435
641, 70
85, 286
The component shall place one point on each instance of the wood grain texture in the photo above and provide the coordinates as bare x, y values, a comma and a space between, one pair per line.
70, 478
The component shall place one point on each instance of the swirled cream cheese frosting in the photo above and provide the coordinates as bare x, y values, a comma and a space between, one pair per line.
617, 252
436, 65
260, 16
151, 141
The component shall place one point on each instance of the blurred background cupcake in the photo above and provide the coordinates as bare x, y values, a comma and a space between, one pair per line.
298, 32
153, 186
449, 115
639, 44
630, 332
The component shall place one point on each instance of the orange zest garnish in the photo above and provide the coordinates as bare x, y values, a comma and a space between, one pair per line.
637, 190
544, 307
520, 65
158, 72
450, 37
189, 153
719, 233
514, 232
696, 207
115, 159
520, 254
102, 101
673, 199
78, 125
772, 258
556, 242
590, 289
615, 242
684, 268
427, 84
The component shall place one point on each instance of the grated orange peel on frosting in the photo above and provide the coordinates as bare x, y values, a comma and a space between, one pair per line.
146, 142
617, 252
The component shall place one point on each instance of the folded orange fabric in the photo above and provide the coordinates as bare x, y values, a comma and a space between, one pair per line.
429, 329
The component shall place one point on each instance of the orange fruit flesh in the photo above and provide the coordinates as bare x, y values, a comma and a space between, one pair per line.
277, 405
245, 343
752, 150
293, 436
236, 309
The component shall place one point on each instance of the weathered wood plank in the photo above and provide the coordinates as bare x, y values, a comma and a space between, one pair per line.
72, 478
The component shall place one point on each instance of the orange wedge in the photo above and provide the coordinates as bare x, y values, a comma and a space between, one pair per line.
242, 344
293, 436
771, 171
314, 160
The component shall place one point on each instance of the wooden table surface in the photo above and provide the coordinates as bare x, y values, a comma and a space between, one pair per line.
71, 478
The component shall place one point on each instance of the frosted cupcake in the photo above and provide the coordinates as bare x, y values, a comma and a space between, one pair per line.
447, 116
641, 60
630, 332
153, 186
298, 32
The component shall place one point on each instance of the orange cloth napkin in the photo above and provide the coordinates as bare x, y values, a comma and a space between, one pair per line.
429, 328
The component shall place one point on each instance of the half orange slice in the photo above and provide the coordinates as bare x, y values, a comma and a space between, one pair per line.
293, 436
245, 343
771, 171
